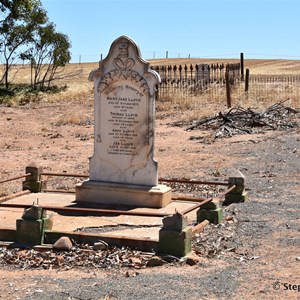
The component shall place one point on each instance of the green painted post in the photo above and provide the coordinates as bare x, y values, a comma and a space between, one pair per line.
211, 212
175, 237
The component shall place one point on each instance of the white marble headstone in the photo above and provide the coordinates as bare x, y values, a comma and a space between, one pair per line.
124, 89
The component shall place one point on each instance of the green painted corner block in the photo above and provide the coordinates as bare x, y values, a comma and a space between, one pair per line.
29, 231
235, 198
214, 216
176, 243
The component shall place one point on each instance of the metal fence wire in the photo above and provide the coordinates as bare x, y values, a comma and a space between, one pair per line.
203, 79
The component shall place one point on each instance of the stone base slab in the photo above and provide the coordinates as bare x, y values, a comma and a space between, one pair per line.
123, 194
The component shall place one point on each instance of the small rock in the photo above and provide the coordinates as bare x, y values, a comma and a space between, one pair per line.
63, 243
170, 258
155, 262
192, 259
298, 258
101, 245
229, 218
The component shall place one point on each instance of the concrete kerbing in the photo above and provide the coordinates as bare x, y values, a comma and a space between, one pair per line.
146, 245
50, 237
8, 235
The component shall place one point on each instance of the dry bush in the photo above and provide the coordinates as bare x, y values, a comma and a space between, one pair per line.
73, 117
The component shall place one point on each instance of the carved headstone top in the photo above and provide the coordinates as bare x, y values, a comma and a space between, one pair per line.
124, 98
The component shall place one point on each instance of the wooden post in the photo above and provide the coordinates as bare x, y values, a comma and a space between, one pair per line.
228, 96
247, 81
167, 54
242, 66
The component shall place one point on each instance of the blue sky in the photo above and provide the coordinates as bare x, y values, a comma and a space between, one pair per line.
199, 28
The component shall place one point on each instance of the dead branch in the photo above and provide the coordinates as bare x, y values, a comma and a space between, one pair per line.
239, 120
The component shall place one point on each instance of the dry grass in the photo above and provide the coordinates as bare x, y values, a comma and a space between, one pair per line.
188, 107
191, 107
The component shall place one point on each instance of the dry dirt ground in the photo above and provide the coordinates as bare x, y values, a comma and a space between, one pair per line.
253, 254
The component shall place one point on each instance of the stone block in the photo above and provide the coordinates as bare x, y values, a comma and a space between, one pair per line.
176, 243
175, 222
238, 194
29, 231
33, 186
33, 182
214, 216
33, 213
35, 172
123, 194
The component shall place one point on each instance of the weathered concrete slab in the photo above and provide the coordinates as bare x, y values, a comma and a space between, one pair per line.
137, 226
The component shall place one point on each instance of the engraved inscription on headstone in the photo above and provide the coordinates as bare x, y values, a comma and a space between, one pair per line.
121, 129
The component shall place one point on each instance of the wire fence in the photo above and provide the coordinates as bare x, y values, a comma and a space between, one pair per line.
209, 83
270, 89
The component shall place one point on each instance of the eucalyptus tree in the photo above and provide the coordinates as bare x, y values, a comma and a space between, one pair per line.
19, 21
48, 51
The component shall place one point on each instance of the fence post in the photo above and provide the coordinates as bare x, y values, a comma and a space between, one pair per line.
247, 81
228, 95
239, 193
242, 66
34, 182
